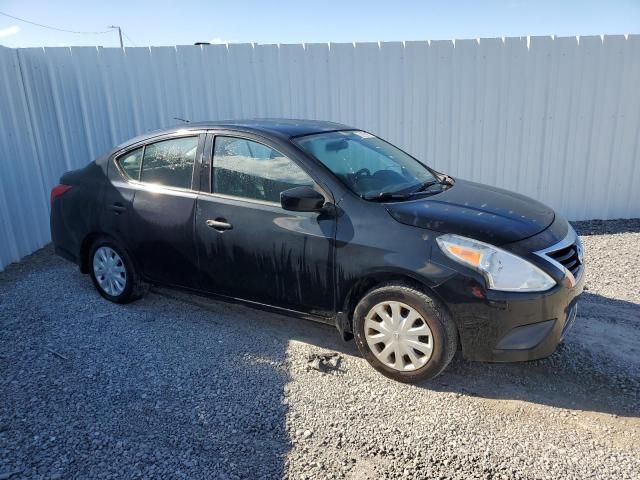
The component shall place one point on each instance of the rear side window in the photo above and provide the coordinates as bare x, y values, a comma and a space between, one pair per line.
170, 162
247, 169
130, 163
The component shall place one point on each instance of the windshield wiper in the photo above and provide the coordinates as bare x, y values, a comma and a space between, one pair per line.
426, 185
384, 196
423, 189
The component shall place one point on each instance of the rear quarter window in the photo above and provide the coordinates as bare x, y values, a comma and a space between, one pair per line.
130, 163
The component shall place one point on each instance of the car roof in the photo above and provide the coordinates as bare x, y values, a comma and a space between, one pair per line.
279, 127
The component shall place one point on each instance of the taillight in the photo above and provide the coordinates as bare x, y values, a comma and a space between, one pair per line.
58, 191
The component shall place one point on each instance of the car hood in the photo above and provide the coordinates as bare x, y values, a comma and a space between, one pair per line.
485, 213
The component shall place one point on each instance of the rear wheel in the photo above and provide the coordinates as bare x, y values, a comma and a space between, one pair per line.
113, 273
404, 333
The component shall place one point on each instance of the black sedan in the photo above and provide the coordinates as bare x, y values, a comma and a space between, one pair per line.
331, 223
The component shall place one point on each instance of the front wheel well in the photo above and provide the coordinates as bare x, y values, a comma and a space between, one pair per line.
365, 285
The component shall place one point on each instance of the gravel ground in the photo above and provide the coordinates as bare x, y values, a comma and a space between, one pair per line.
177, 386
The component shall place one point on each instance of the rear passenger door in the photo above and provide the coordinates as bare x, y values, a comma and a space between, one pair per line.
160, 218
251, 248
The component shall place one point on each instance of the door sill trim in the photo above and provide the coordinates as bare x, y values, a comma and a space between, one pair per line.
174, 293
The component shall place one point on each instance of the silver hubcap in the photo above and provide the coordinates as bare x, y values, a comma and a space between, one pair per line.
109, 270
398, 336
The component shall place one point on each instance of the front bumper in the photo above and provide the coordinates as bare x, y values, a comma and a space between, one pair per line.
510, 327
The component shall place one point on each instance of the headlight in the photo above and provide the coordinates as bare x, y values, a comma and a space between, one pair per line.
501, 269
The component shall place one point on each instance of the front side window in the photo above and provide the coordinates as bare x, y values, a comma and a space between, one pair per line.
368, 165
170, 162
247, 169
130, 163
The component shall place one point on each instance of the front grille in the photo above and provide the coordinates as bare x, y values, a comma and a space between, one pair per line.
568, 258
567, 255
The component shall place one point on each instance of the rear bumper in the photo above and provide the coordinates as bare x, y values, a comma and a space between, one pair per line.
511, 327
64, 243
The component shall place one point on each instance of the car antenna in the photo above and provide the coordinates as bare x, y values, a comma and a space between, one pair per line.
182, 119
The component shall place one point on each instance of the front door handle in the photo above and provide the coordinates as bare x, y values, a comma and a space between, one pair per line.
219, 224
118, 208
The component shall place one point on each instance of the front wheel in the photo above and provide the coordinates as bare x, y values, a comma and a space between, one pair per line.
113, 273
404, 333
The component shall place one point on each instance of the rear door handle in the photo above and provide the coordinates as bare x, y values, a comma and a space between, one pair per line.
219, 224
118, 208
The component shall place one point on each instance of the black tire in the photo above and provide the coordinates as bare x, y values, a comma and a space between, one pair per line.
134, 288
443, 330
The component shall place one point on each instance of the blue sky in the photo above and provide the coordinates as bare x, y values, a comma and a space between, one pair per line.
162, 22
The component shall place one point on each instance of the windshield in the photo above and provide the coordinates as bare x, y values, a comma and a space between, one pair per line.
368, 165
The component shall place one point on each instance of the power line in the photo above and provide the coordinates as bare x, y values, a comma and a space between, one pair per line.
54, 28
111, 29
129, 38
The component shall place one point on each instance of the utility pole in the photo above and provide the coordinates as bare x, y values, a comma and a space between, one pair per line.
119, 34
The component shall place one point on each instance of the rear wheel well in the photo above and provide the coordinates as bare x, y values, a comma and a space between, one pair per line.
85, 250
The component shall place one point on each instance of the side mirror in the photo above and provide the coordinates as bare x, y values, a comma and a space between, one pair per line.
302, 199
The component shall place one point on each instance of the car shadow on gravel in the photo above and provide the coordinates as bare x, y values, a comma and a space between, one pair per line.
154, 389
271, 324
596, 369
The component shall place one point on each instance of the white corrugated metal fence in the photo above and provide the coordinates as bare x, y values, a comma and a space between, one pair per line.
556, 119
